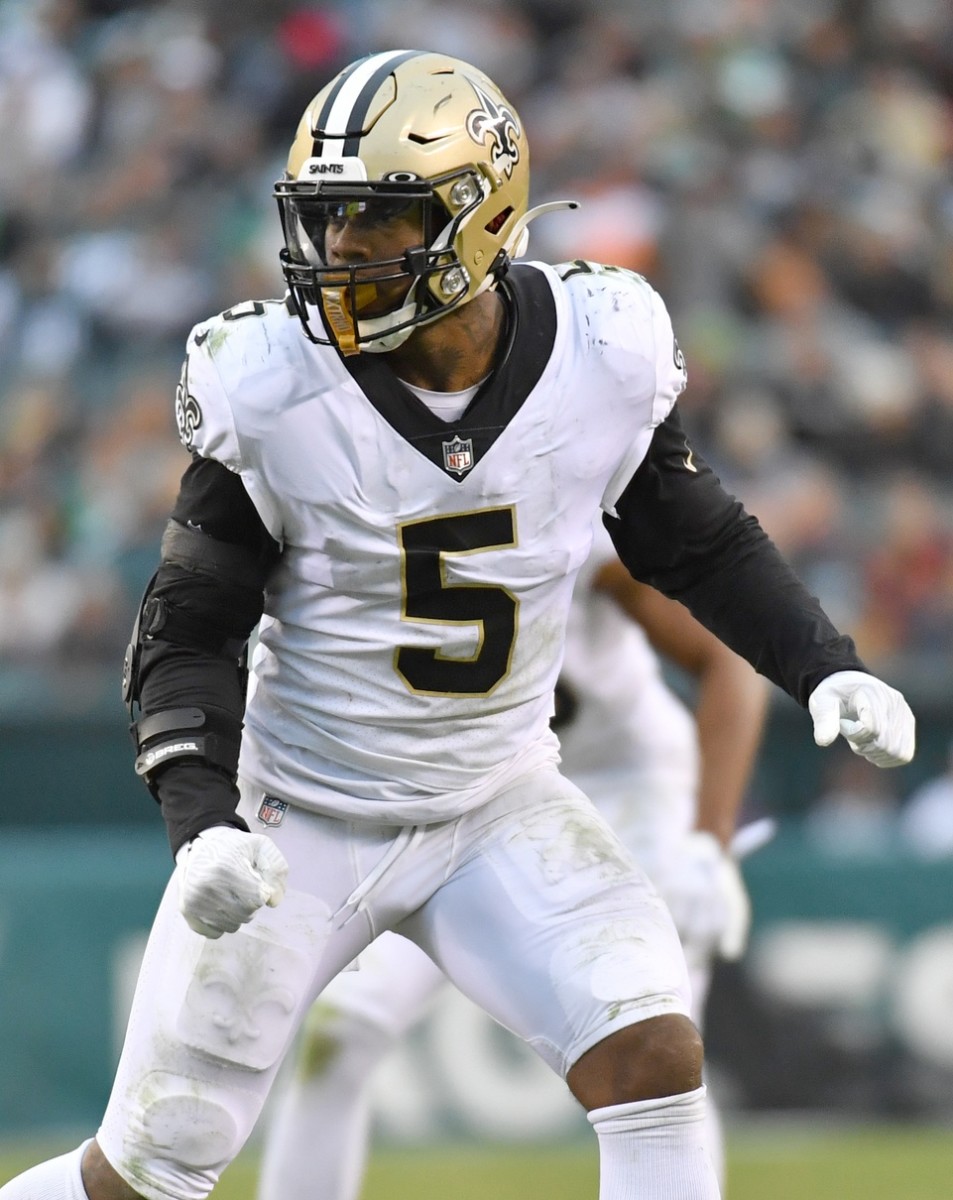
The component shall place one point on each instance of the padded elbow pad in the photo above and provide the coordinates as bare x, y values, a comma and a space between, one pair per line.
184, 670
207, 596
184, 675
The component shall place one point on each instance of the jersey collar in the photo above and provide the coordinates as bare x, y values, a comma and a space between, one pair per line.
457, 447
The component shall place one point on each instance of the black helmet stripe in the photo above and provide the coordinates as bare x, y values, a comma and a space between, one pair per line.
344, 110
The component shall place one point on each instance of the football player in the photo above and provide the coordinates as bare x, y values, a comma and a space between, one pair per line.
395, 470
671, 786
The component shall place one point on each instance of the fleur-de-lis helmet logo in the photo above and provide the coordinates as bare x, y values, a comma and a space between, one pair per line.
188, 414
497, 125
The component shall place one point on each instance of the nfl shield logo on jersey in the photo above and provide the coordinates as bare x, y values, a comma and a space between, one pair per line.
458, 455
272, 810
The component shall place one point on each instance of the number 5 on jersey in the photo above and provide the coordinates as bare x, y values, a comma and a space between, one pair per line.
427, 598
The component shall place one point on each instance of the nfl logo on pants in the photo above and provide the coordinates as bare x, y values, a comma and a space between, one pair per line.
272, 810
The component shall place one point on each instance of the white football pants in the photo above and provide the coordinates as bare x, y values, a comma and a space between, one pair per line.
530, 905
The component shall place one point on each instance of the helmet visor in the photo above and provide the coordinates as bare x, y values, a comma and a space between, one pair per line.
405, 220
311, 213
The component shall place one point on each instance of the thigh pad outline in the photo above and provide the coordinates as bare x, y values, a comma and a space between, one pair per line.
245, 996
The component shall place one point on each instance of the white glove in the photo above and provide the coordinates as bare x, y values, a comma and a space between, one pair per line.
707, 898
225, 876
874, 718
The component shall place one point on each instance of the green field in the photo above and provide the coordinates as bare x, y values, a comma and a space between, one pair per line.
776, 1162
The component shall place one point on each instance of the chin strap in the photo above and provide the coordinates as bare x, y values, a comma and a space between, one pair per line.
388, 341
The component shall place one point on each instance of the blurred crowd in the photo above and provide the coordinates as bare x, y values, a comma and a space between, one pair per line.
783, 173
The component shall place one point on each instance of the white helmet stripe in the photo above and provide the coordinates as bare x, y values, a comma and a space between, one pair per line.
346, 107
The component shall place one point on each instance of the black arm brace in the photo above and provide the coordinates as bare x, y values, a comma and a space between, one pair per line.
184, 675
680, 531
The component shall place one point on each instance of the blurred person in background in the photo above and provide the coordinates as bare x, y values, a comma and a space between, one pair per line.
926, 819
908, 576
855, 813
391, 465
782, 175
670, 784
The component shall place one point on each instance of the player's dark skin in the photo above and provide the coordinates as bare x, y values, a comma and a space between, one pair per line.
661, 1056
451, 354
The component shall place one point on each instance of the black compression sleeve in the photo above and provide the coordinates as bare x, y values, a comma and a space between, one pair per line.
209, 602
192, 794
680, 531
196, 797
213, 499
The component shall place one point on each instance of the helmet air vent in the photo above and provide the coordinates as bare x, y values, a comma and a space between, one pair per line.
497, 223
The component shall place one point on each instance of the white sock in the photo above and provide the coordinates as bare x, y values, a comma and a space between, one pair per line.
654, 1150
56, 1179
715, 1138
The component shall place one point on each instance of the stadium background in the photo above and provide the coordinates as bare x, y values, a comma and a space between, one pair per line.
784, 174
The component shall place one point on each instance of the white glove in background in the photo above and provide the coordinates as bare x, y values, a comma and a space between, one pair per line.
225, 876
874, 718
707, 898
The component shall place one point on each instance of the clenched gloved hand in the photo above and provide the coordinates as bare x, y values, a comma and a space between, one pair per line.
225, 876
874, 718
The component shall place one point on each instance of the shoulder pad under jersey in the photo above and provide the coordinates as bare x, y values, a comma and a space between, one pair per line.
241, 366
624, 310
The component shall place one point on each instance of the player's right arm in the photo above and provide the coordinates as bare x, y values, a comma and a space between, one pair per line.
184, 682
186, 677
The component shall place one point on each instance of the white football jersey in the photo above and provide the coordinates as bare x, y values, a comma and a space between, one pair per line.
413, 630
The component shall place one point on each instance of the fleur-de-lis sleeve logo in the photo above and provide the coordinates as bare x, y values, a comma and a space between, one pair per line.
188, 414
496, 126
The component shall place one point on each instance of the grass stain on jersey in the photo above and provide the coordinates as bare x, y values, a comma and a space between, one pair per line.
217, 339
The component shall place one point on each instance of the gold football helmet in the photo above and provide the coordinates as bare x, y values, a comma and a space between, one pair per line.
403, 133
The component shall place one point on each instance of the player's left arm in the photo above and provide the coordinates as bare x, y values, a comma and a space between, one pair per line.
731, 699
677, 529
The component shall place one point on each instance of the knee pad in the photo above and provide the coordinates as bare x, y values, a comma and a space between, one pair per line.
187, 1118
183, 1134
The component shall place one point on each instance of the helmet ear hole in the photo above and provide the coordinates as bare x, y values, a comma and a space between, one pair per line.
494, 225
